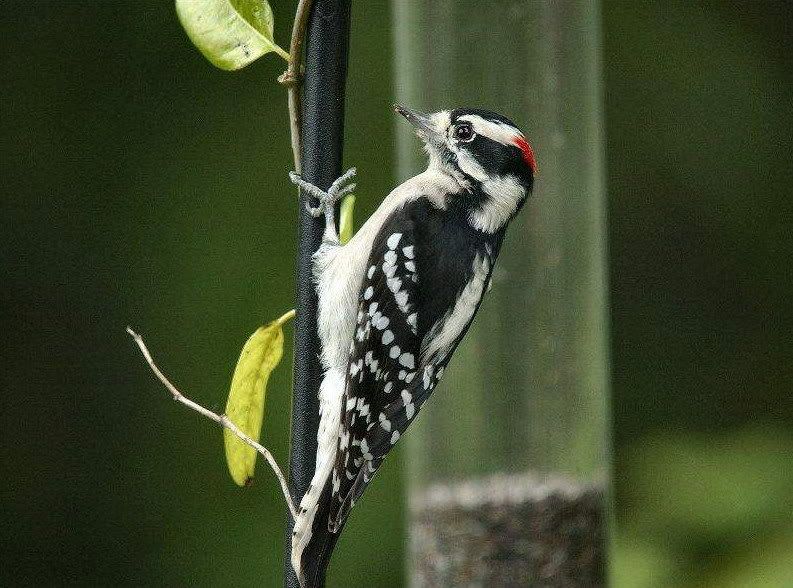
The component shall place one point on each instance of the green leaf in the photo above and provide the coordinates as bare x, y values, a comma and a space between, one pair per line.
230, 33
346, 218
245, 407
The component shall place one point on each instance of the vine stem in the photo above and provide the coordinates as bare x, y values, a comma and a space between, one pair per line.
281, 53
286, 317
291, 78
221, 419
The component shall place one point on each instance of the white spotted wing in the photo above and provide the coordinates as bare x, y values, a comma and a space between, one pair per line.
390, 373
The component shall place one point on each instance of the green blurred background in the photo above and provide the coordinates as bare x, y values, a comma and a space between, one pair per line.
142, 186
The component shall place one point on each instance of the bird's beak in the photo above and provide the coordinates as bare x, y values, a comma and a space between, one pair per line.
421, 122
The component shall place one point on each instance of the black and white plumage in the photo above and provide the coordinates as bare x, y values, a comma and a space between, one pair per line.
397, 299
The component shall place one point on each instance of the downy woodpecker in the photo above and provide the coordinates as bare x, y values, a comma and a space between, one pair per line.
395, 301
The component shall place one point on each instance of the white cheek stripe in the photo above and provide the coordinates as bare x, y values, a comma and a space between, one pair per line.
497, 131
505, 194
470, 165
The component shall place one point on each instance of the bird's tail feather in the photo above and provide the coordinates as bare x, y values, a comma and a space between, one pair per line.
312, 542
311, 550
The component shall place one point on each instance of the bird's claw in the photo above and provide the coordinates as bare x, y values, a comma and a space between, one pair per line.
338, 189
315, 211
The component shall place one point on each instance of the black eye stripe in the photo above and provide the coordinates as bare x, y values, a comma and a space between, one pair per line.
489, 153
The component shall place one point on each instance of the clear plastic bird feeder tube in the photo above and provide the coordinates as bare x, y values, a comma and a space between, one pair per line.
508, 463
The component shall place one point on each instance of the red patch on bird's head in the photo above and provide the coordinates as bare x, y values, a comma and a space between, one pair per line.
528, 153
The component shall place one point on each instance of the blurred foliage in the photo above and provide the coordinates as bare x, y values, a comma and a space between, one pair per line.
698, 120
129, 179
710, 509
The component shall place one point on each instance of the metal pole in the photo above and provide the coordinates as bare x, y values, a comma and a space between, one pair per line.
322, 133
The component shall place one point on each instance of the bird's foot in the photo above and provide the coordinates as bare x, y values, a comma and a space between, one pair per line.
327, 199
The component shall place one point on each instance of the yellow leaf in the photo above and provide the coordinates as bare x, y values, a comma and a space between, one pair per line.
230, 33
245, 407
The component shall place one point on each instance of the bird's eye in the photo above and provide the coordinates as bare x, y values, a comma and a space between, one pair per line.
463, 132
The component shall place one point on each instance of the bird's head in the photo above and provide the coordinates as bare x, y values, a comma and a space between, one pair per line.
479, 143
483, 148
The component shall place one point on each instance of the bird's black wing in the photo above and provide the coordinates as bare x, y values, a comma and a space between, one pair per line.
407, 291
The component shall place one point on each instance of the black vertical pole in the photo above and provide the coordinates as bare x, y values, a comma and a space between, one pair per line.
322, 128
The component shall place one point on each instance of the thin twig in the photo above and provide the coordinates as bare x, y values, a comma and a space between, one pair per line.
221, 419
291, 78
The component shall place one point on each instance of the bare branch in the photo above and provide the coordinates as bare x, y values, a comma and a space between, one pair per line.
221, 419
